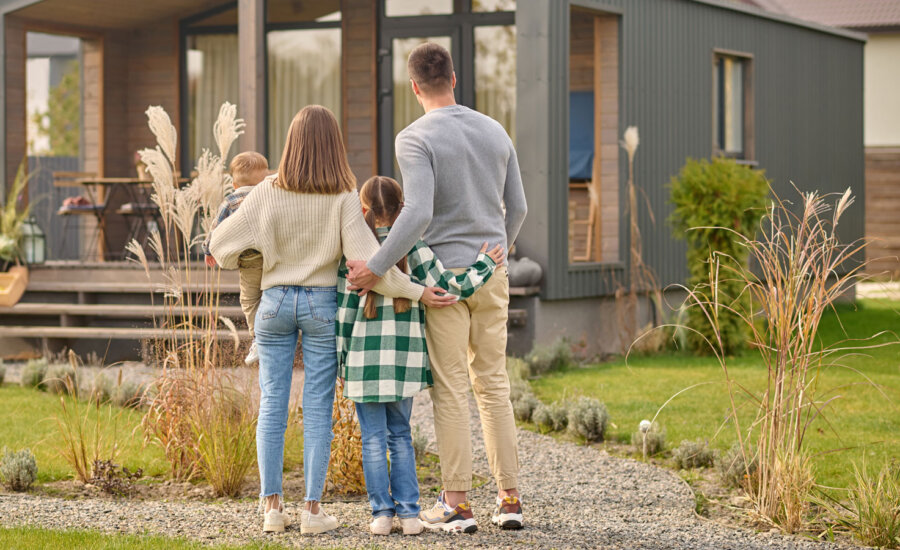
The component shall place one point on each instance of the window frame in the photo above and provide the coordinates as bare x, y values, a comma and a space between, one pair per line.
748, 152
186, 31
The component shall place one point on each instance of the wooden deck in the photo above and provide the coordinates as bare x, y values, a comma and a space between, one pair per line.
112, 307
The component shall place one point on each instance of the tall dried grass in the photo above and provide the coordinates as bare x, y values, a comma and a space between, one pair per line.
801, 268
194, 416
84, 435
642, 279
345, 475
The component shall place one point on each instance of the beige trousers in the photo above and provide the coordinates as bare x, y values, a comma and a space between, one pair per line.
250, 266
467, 343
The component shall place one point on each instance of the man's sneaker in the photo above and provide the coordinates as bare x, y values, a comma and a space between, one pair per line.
411, 526
252, 355
382, 525
311, 524
508, 514
442, 517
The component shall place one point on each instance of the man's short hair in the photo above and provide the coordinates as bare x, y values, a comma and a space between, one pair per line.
247, 165
431, 67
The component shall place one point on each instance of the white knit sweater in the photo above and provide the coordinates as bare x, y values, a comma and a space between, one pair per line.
301, 237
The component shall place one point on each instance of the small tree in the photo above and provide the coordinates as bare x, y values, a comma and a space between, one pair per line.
716, 202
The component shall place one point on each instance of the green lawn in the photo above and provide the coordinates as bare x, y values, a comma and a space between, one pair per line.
862, 420
27, 420
36, 539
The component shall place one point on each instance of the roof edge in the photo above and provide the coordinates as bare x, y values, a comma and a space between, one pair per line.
7, 6
786, 19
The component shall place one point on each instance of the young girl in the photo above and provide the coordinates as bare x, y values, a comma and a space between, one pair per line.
384, 360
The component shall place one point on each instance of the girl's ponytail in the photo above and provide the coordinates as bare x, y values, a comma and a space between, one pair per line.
383, 198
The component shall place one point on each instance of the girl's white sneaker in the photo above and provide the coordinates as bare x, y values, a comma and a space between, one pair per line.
382, 525
311, 524
411, 526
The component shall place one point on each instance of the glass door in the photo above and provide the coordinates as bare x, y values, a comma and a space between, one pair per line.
397, 105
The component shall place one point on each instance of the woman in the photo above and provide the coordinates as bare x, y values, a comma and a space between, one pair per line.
302, 220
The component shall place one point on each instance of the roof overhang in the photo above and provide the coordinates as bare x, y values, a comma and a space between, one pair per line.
786, 19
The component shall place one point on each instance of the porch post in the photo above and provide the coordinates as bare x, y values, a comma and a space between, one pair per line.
252, 73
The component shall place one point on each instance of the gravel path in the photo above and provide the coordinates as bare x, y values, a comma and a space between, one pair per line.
575, 497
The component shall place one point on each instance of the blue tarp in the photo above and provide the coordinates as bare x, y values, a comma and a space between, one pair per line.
581, 135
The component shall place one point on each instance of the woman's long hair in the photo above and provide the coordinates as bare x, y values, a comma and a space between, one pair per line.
383, 198
314, 159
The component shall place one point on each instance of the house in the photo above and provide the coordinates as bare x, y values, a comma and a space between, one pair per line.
880, 20
564, 77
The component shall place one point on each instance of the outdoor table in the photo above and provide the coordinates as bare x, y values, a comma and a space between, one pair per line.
139, 211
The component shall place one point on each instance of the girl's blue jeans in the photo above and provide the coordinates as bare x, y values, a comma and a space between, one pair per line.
385, 426
284, 312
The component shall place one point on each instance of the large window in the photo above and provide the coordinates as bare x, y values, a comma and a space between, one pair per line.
593, 181
731, 80
303, 49
304, 68
495, 74
212, 79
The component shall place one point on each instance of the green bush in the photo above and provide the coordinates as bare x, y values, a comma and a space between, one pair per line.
713, 200
100, 389
517, 369
656, 440
587, 419
128, 394
2, 372
524, 407
33, 374
419, 443
551, 418
544, 359
733, 467
60, 379
18, 470
518, 388
693, 454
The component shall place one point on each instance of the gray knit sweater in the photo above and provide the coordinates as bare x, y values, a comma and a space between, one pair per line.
459, 167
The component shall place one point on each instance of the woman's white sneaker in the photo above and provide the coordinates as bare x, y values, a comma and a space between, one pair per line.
274, 521
382, 525
411, 526
311, 524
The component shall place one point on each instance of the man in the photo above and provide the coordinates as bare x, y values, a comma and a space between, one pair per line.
459, 168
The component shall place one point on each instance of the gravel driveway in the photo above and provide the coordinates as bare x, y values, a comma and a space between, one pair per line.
574, 497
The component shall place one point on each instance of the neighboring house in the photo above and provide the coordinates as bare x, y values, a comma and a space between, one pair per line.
564, 77
880, 19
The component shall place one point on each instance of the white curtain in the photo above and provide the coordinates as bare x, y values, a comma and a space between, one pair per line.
304, 69
213, 79
495, 75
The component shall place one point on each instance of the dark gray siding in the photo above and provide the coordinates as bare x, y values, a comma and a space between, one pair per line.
808, 87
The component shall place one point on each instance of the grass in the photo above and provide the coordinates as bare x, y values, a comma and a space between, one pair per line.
862, 423
34, 539
26, 421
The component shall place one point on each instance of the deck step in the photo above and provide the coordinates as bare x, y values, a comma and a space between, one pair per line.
103, 333
121, 311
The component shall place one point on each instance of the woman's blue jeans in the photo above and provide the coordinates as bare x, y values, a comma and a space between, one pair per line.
284, 312
385, 426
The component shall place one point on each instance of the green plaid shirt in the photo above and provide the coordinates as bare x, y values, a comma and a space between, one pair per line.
386, 359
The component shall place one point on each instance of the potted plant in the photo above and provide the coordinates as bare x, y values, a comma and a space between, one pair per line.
13, 276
